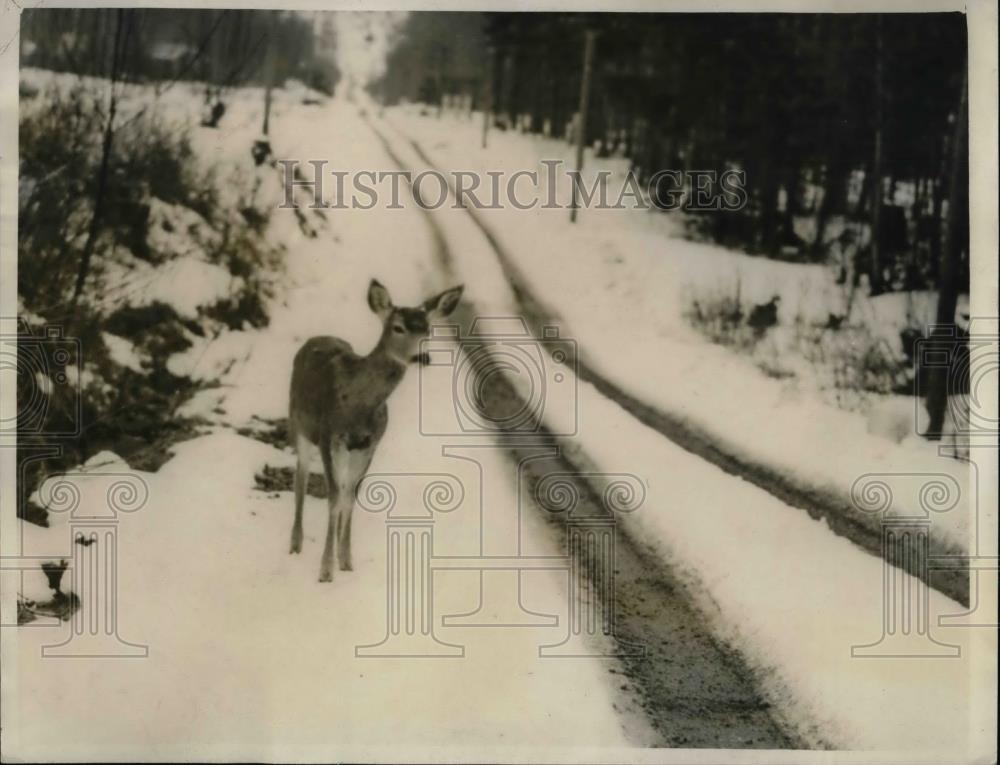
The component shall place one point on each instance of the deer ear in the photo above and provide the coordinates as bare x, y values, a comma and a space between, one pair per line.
378, 298
445, 303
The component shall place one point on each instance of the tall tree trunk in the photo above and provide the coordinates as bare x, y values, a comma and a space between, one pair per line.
269, 73
581, 122
834, 187
768, 190
948, 274
876, 180
791, 184
489, 90
938, 179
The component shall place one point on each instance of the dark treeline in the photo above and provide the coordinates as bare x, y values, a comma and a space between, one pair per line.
225, 48
846, 125
435, 54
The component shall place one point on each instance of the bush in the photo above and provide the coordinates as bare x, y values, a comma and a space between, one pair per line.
852, 363
719, 316
61, 144
154, 182
849, 363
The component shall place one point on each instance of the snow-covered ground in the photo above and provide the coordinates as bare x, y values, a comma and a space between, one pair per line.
788, 594
249, 656
620, 280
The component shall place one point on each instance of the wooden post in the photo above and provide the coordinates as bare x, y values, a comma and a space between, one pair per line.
267, 107
488, 91
581, 120
269, 75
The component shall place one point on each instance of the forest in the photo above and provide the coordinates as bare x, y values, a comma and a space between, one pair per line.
850, 132
850, 128
222, 48
112, 186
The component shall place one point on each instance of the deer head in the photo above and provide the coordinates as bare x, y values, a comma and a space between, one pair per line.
403, 328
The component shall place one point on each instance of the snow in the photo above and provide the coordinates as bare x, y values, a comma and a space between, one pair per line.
892, 419
209, 358
33, 584
87, 489
790, 596
620, 280
793, 598
214, 592
44, 383
185, 283
177, 230
122, 352
243, 640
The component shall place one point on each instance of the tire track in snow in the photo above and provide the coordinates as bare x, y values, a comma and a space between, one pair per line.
694, 691
840, 516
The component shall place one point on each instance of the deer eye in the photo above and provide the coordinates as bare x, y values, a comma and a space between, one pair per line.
399, 329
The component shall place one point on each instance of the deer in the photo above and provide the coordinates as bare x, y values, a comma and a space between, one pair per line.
337, 406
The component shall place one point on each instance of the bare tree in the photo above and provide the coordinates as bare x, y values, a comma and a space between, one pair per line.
938, 377
875, 281
123, 22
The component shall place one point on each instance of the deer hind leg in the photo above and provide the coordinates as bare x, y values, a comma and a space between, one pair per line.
358, 462
301, 478
334, 470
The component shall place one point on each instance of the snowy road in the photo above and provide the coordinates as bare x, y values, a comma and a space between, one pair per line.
726, 538
694, 692
820, 502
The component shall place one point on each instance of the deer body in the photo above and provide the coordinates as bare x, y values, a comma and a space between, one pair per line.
337, 406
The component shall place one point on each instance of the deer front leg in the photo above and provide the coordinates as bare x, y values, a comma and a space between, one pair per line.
344, 537
359, 460
332, 501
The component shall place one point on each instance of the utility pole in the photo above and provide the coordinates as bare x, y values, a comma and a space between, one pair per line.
442, 55
269, 73
488, 91
581, 117
267, 107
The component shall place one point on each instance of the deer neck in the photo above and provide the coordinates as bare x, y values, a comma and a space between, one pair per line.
384, 371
